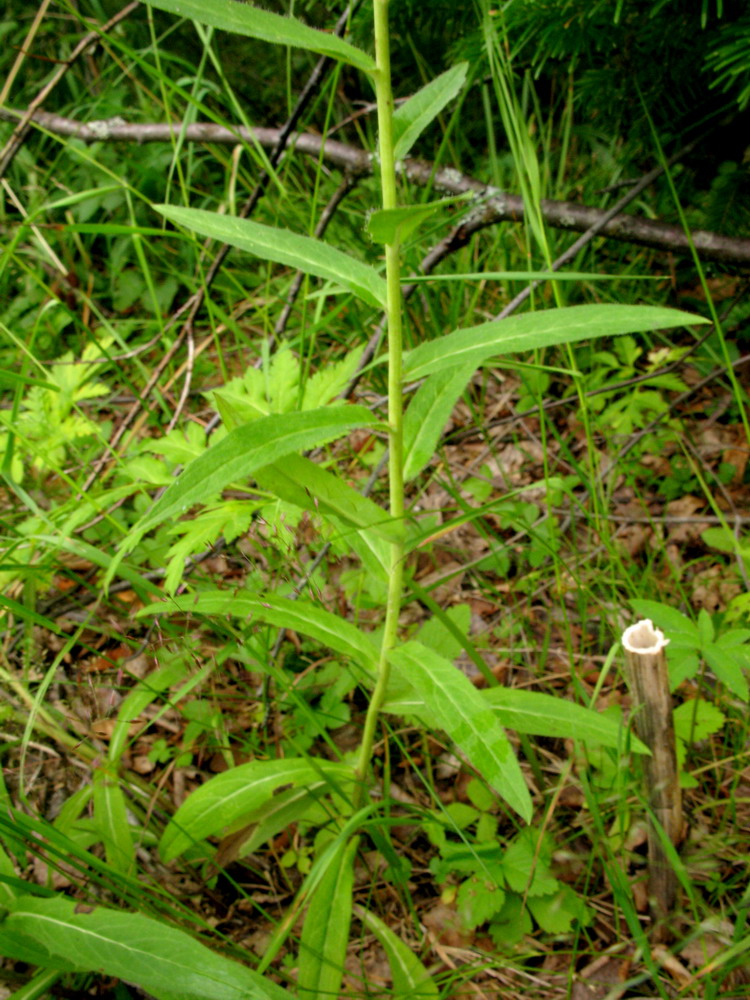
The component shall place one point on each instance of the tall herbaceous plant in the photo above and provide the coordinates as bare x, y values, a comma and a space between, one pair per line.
402, 677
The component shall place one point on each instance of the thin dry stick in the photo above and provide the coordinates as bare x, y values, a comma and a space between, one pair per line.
24, 50
495, 205
15, 142
649, 679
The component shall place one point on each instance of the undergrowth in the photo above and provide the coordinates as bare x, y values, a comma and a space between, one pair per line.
311, 617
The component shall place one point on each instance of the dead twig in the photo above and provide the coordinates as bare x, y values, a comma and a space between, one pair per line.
493, 206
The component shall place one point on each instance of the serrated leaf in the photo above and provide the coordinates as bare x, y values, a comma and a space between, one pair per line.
227, 798
678, 627
525, 870
697, 720
330, 380
414, 115
128, 946
451, 698
427, 415
531, 331
244, 450
478, 900
511, 924
304, 253
245, 19
555, 913
411, 980
705, 627
300, 616
728, 669
325, 933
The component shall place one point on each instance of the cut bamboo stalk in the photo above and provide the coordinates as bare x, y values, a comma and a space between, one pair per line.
644, 650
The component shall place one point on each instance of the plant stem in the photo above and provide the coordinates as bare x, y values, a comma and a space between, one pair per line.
384, 97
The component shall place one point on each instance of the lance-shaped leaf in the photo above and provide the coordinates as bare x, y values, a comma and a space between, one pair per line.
244, 19
411, 980
111, 818
227, 798
64, 934
395, 225
536, 330
325, 933
304, 253
302, 482
544, 715
238, 455
332, 631
414, 115
458, 708
428, 413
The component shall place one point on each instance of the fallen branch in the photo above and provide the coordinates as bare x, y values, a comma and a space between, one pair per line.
494, 205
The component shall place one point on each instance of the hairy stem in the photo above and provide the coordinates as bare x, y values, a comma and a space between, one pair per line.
384, 99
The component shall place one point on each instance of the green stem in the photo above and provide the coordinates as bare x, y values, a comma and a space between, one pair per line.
384, 97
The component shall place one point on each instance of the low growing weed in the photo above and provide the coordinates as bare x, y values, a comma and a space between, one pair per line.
295, 700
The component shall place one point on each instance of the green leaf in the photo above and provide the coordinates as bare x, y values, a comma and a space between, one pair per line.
729, 669
8, 377
453, 701
511, 924
325, 932
677, 627
479, 898
332, 631
279, 813
544, 715
244, 450
395, 225
414, 115
226, 798
525, 866
305, 484
536, 330
111, 818
696, 720
528, 276
428, 413
244, 19
28, 614
128, 946
555, 913
142, 695
282, 246
411, 980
